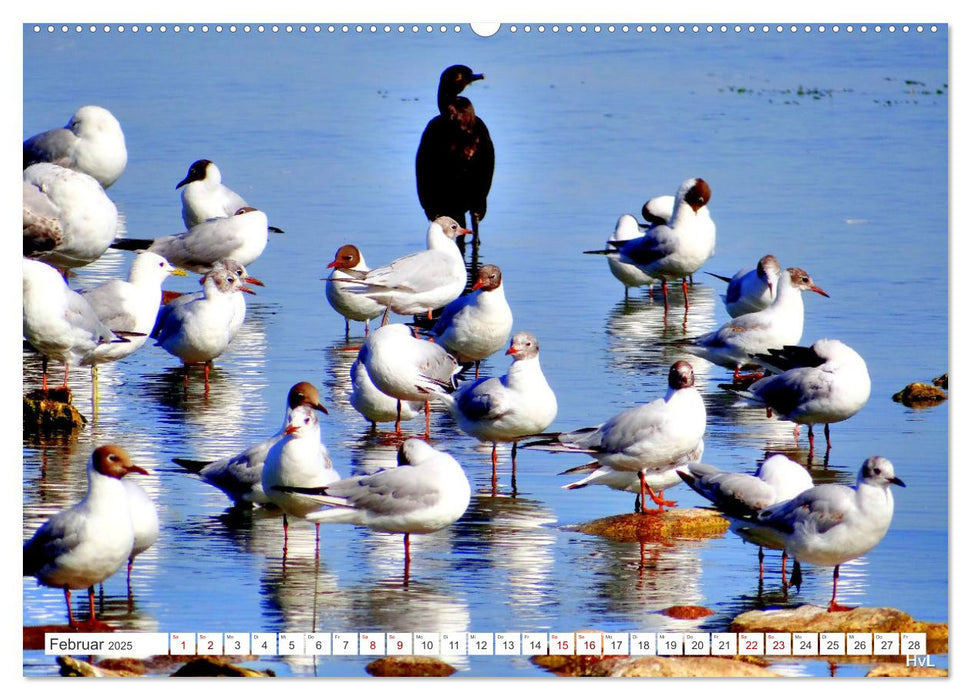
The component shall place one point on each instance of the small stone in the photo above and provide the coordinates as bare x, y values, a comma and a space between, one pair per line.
941, 381
51, 412
75, 668
905, 671
685, 523
409, 666
687, 612
918, 395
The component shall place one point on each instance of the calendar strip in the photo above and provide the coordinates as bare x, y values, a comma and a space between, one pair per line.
772, 644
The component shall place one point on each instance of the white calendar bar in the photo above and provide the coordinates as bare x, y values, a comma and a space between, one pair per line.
803, 644
121, 644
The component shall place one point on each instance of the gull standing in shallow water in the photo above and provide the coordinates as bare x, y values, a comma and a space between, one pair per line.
826, 383
751, 290
741, 496
371, 402
241, 477
201, 330
299, 458
830, 524
627, 229
646, 438
504, 409
58, 322
426, 492
91, 143
736, 344
144, 520
405, 367
478, 324
88, 542
676, 249
422, 281
345, 297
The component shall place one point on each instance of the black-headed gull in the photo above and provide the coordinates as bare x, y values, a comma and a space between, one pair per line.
201, 330
507, 408
299, 458
241, 476
241, 237
477, 324
422, 281
456, 158
58, 322
741, 496
646, 438
751, 290
68, 219
144, 521
830, 524
597, 475
678, 248
825, 383
426, 492
371, 402
91, 143
204, 196
341, 295
405, 367
735, 345
88, 542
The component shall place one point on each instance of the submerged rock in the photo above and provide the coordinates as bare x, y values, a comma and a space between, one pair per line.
687, 612
51, 411
688, 523
651, 666
409, 666
918, 395
905, 671
215, 666
812, 618
74, 668
941, 381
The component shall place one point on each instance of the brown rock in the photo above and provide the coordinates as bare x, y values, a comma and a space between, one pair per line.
211, 666
409, 666
686, 523
918, 395
51, 412
687, 612
812, 618
72, 667
905, 671
941, 381
651, 666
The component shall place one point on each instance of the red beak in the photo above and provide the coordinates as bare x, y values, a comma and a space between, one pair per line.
137, 470
247, 290
819, 291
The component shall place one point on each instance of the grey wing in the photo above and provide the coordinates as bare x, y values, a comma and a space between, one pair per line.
821, 508
790, 357
482, 398
449, 312
80, 314
733, 493
437, 364
734, 291
106, 301
52, 539
785, 392
646, 249
394, 491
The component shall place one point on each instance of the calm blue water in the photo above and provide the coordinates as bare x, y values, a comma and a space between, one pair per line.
829, 151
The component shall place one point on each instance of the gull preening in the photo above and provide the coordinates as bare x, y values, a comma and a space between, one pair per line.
88, 542
241, 476
628, 274
830, 524
204, 196
646, 438
68, 219
742, 496
92, 142
504, 409
371, 402
751, 290
676, 249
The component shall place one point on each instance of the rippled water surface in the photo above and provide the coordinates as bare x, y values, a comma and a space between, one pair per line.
829, 151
